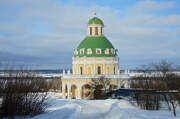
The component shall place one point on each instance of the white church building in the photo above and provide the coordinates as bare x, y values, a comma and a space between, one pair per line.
93, 58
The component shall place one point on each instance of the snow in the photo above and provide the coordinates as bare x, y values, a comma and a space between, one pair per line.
50, 74
99, 109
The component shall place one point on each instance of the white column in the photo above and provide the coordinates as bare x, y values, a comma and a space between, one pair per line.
118, 71
63, 89
64, 72
68, 72
78, 91
69, 91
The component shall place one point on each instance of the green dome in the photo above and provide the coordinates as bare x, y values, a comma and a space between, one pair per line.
95, 20
100, 42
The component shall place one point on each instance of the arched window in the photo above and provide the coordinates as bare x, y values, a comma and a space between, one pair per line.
81, 70
66, 91
90, 30
114, 70
96, 30
82, 51
112, 50
99, 70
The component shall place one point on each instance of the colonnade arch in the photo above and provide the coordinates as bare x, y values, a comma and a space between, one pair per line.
66, 92
74, 92
86, 92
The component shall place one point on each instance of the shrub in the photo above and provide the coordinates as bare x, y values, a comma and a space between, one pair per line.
148, 101
100, 87
23, 94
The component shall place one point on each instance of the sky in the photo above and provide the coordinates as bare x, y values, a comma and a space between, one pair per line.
42, 34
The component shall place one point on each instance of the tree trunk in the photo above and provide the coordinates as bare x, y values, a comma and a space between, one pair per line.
165, 98
174, 108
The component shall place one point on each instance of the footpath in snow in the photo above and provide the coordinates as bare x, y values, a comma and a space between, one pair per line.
100, 109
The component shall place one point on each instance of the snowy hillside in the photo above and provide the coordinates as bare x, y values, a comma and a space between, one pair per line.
99, 109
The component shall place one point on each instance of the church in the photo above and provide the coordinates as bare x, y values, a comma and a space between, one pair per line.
93, 58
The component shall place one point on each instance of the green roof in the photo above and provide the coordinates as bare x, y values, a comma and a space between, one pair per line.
95, 42
95, 20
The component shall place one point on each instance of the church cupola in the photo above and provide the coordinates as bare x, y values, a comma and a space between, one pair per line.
95, 26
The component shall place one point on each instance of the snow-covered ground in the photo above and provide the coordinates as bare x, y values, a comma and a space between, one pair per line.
99, 109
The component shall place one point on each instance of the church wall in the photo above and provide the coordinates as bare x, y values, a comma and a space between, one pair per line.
90, 65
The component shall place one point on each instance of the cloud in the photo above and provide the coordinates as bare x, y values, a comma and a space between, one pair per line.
148, 6
47, 31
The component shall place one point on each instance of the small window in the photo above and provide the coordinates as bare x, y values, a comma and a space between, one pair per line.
96, 30
107, 51
82, 51
90, 30
114, 70
75, 52
89, 51
112, 51
98, 51
101, 30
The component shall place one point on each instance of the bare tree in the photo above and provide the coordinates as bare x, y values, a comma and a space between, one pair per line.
179, 96
173, 100
122, 83
55, 83
163, 67
169, 81
100, 87
160, 77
